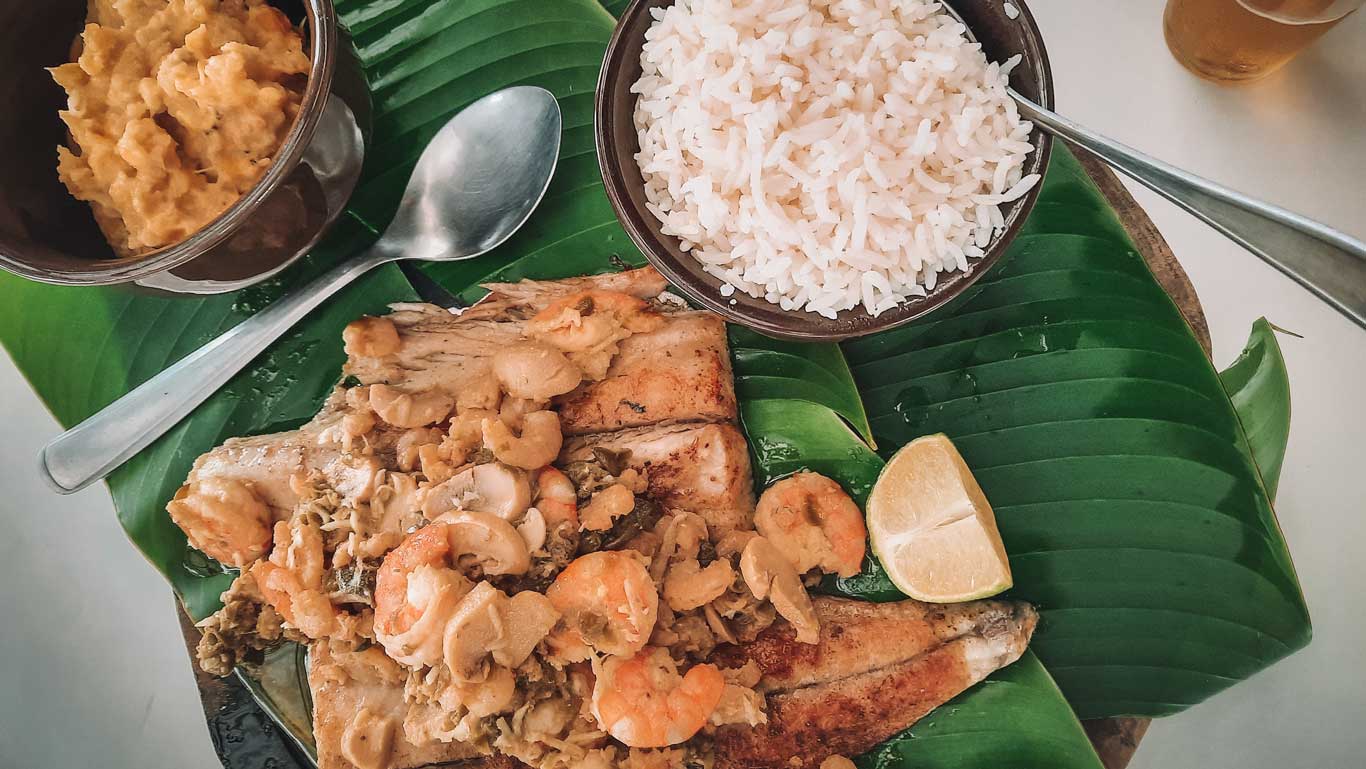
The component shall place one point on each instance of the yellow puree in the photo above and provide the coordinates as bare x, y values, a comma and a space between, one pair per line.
175, 110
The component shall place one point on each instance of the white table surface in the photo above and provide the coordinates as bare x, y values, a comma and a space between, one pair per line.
93, 671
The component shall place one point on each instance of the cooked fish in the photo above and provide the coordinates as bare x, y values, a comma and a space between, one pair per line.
680, 372
700, 468
644, 283
268, 462
877, 670
358, 706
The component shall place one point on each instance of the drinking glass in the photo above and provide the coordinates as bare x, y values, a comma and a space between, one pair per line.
1240, 40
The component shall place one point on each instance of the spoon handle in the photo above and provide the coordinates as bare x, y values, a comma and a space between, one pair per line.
1329, 263
92, 449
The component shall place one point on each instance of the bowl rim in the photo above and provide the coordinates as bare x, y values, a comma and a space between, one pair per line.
820, 328
321, 17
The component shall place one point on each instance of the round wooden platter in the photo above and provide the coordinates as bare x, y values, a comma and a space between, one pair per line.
245, 737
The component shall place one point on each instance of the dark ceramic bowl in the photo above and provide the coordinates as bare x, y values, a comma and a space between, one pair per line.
1001, 37
47, 235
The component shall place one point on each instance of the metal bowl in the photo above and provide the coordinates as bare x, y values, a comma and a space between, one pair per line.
1001, 37
47, 235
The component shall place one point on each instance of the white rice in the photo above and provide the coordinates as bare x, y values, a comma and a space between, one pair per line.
826, 154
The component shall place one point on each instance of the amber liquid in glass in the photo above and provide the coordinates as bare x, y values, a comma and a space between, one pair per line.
1240, 40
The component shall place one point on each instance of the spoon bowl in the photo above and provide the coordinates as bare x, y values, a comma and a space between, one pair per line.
475, 184
503, 169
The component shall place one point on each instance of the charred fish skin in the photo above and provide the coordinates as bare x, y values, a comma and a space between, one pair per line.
828, 700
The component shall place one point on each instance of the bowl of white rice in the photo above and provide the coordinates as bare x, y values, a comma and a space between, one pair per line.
822, 169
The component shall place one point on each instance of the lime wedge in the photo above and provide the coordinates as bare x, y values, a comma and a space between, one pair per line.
932, 528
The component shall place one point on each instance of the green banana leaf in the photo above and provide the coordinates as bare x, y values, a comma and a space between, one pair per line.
1016, 719
768, 368
1126, 491
1259, 386
1069, 382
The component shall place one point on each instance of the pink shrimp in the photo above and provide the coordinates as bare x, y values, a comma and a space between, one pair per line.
418, 589
556, 498
291, 580
608, 600
644, 702
814, 523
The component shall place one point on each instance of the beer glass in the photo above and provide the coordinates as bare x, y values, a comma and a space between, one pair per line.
1241, 40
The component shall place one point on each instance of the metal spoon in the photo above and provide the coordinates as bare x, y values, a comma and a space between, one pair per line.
1331, 264
475, 184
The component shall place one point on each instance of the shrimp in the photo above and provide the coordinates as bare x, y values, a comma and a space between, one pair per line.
537, 446
643, 701
607, 600
556, 497
588, 326
591, 319
410, 619
291, 580
224, 519
418, 589
814, 523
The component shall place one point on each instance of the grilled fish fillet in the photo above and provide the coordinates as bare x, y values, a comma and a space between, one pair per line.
267, 462
700, 468
346, 683
877, 670
677, 373
680, 372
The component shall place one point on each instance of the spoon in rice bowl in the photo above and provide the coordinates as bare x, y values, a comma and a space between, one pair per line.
1331, 264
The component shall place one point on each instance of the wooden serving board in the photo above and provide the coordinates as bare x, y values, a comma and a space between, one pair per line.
245, 737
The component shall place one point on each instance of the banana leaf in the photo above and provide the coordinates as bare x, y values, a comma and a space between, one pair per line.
1070, 341
1125, 488
1259, 386
768, 368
